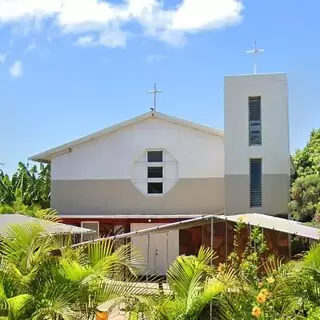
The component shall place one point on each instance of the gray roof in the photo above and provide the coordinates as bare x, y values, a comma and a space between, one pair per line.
7, 220
278, 224
253, 219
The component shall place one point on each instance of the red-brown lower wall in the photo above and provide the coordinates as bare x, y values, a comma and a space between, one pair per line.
191, 239
106, 226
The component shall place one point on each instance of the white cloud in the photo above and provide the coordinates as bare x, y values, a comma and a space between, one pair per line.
112, 38
16, 69
155, 57
195, 15
85, 41
3, 57
31, 46
86, 14
173, 37
101, 17
11, 10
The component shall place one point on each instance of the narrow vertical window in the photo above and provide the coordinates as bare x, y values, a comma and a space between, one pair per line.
254, 121
255, 183
155, 172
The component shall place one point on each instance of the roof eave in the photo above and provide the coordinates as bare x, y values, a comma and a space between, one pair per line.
48, 155
35, 159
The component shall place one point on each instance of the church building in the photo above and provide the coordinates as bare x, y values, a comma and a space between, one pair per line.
156, 168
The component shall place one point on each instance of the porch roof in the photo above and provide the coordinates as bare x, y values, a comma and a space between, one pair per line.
253, 219
279, 224
7, 220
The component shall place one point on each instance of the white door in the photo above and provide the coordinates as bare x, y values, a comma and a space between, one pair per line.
161, 250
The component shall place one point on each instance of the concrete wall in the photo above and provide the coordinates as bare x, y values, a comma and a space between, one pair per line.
91, 197
274, 150
103, 175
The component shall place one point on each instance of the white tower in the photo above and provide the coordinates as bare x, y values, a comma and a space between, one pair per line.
257, 155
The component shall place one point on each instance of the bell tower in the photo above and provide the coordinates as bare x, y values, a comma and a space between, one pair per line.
257, 154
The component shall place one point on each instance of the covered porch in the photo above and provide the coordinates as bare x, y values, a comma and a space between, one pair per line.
162, 240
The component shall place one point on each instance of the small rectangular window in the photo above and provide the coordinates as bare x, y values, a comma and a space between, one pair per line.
254, 121
92, 225
255, 183
155, 172
155, 156
155, 187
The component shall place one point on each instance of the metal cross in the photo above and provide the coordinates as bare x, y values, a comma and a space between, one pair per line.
255, 51
155, 91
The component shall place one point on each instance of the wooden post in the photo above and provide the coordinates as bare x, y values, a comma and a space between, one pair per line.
211, 263
102, 315
226, 240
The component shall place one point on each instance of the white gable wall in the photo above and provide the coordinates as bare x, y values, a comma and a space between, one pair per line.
199, 154
107, 176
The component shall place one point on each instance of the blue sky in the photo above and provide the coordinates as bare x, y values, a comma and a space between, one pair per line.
71, 67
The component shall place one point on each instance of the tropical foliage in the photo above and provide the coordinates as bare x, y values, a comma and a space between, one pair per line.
43, 278
193, 284
28, 186
307, 160
305, 190
252, 285
305, 194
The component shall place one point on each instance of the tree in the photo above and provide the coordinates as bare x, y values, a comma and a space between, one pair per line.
307, 160
29, 186
41, 280
305, 195
305, 189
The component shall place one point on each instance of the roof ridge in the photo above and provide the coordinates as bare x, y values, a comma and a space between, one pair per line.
66, 147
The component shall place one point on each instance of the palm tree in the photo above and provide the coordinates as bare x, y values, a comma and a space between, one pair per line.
193, 284
41, 279
303, 284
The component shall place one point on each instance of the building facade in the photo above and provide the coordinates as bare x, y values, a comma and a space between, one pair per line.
147, 167
155, 169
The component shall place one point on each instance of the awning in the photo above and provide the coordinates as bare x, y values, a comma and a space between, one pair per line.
278, 224
108, 216
7, 220
252, 219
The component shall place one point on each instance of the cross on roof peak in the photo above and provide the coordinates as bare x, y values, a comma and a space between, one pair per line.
155, 91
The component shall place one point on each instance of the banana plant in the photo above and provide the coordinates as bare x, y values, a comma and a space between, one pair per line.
29, 186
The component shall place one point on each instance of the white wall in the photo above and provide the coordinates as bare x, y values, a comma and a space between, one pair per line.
274, 118
199, 154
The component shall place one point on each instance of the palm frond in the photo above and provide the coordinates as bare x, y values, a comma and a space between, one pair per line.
56, 301
17, 304
26, 246
188, 271
47, 214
